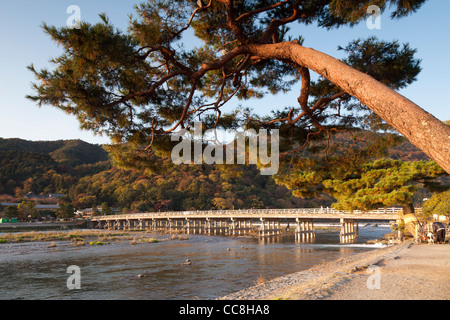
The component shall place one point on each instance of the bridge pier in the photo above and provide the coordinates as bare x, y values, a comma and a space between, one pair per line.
349, 231
158, 224
179, 224
99, 225
219, 226
194, 226
270, 227
240, 226
304, 231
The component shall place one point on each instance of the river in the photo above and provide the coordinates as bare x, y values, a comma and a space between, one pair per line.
220, 265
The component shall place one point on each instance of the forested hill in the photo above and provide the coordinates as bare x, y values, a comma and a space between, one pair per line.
67, 152
46, 166
84, 174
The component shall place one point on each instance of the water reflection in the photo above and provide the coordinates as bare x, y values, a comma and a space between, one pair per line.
220, 265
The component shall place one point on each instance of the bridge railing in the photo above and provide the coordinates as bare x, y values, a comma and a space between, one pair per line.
255, 212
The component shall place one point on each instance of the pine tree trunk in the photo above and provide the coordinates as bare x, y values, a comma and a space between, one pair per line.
412, 223
408, 209
421, 128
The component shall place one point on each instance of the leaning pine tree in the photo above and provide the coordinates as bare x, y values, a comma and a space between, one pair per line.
138, 87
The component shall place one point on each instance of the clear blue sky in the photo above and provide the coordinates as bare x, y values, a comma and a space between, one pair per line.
23, 42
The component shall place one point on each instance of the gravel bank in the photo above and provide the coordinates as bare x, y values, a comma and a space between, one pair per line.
420, 272
406, 271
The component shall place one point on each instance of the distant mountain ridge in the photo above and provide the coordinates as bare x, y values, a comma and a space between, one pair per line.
67, 152
77, 152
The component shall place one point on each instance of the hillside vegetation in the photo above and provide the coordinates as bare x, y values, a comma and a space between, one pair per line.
83, 173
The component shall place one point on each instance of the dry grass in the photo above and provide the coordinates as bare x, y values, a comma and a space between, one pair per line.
179, 237
52, 245
79, 237
84, 237
150, 240
259, 280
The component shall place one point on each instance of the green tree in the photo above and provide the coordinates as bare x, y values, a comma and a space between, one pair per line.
383, 183
96, 212
86, 201
65, 211
139, 86
374, 185
27, 210
438, 204
11, 212
222, 203
106, 209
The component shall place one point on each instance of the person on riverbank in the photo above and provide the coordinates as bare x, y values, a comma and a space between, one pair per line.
439, 231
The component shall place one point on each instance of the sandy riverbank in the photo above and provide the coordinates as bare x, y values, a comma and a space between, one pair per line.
401, 272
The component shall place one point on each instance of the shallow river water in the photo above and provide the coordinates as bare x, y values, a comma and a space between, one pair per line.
220, 265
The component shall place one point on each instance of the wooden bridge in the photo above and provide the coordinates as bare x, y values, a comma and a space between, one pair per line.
259, 222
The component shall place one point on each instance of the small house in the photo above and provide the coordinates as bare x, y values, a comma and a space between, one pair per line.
55, 195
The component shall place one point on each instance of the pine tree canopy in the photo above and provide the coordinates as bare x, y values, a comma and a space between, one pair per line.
438, 204
374, 185
138, 86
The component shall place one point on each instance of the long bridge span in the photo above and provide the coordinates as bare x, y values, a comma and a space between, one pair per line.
258, 222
